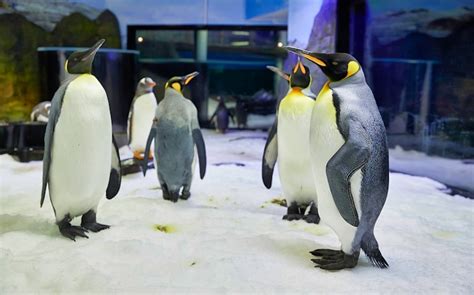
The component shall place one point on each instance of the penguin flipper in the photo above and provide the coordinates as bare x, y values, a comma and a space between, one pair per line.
270, 155
352, 156
151, 136
54, 112
201, 150
115, 178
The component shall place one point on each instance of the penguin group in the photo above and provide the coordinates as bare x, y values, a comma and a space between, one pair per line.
339, 139
331, 150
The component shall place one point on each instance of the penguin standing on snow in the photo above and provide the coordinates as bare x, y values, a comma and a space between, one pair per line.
140, 117
288, 140
81, 161
349, 159
176, 131
221, 116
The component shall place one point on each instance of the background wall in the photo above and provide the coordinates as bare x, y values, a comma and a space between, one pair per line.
162, 12
26, 25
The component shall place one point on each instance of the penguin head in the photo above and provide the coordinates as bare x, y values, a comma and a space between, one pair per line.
178, 83
300, 76
336, 66
145, 85
80, 62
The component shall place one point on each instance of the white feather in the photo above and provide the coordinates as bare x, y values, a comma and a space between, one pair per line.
81, 153
143, 113
326, 140
296, 176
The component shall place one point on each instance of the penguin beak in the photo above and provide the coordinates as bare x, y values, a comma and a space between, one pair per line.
299, 66
90, 53
151, 84
189, 77
279, 72
314, 57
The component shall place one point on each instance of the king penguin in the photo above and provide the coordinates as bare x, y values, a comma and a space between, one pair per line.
81, 161
221, 116
176, 132
140, 117
351, 164
288, 140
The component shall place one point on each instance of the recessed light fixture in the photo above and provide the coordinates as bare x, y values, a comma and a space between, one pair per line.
280, 44
140, 39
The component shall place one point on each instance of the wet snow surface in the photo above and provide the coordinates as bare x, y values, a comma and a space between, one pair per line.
228, 237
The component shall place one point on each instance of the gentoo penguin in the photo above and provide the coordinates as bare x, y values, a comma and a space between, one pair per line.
349, 159
40, 112
288, 140
81, 161
140, 117
176, 131
221, 116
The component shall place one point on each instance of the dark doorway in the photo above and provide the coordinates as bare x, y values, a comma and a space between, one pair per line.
351, 28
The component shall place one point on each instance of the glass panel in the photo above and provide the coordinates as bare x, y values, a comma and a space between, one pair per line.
242, 44
165, 44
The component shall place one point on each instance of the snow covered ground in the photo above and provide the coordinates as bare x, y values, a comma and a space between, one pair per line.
449, 171
228, 237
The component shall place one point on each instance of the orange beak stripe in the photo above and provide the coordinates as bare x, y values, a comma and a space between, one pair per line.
315, 60
188, 80
302, 68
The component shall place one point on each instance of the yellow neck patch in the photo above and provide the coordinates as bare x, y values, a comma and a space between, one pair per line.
325, 105
352, 68
295, 103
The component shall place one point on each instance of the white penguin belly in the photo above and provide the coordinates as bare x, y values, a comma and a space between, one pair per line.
142, 119
81, 150
326, 140
296, 176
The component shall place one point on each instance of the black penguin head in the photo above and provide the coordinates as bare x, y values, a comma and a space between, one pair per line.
80, 62
178, 83
336, 66
299, 77
145, 85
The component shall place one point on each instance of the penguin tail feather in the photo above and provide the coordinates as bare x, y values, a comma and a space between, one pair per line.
376, 258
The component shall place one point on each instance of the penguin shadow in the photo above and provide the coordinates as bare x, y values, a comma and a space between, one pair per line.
28, 224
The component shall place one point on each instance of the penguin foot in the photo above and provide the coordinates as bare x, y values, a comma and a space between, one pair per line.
170, 198
312, 218
185, 195
334, 259
291, 217
313, 214
95, 227
293, 212
72, 231
89, 221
